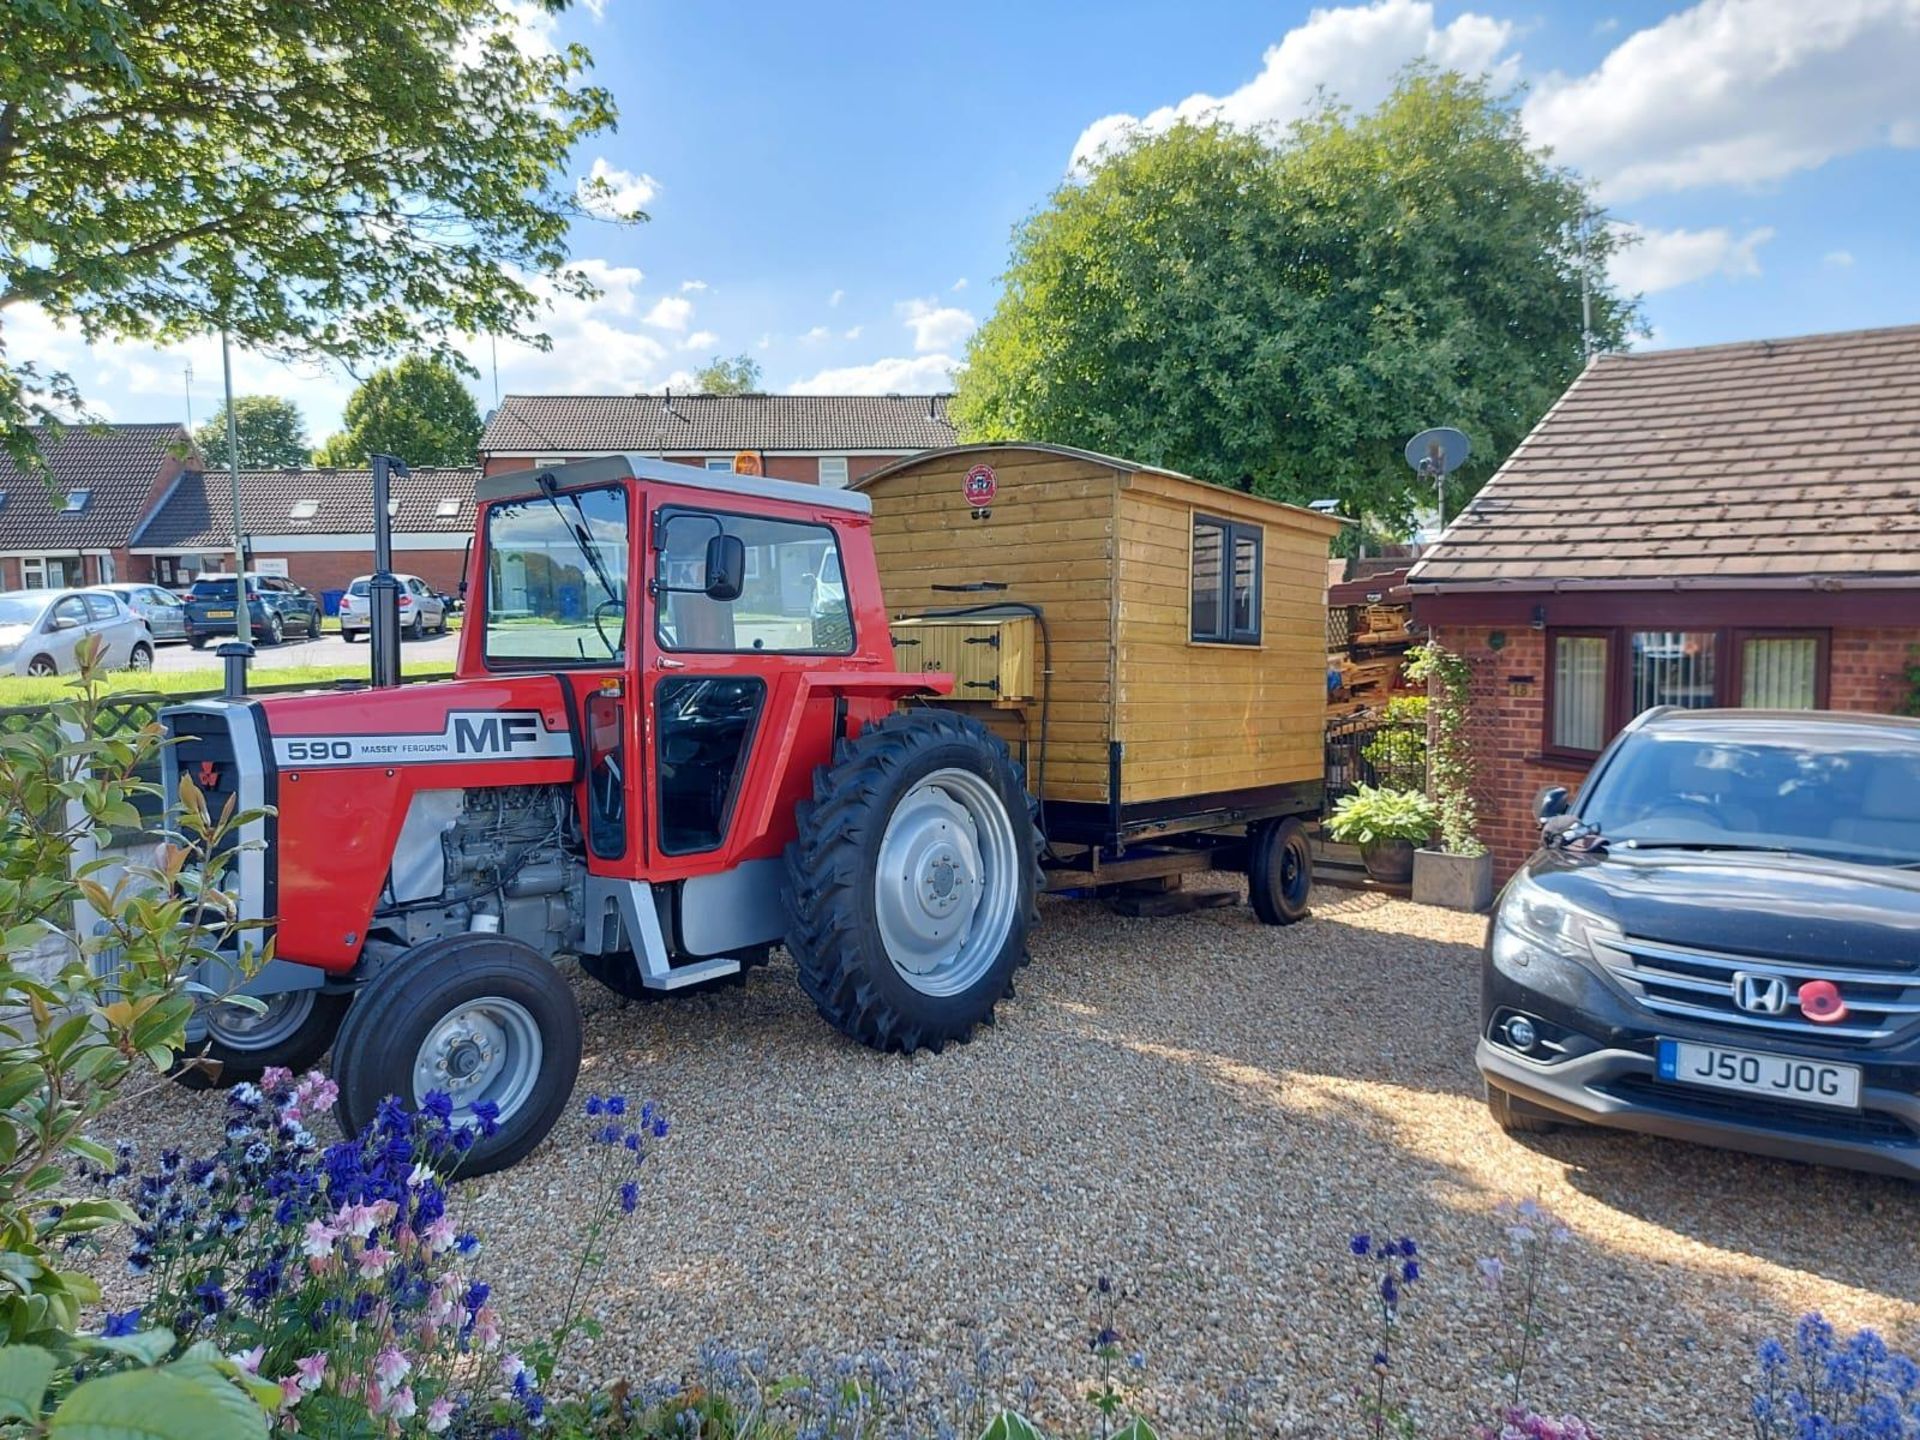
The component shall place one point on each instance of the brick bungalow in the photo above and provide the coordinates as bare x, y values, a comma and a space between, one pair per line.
318, 522
818, 439
77, 531
1734, 525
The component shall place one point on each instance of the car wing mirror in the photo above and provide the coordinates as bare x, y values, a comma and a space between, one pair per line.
726, 567
1550, 803
61, 622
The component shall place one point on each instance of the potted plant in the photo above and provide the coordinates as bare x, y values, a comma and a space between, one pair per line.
1458, 874
1386, 825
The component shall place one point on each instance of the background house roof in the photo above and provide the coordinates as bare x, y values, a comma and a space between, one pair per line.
716, 424
116, 464
1760, 464
197, 513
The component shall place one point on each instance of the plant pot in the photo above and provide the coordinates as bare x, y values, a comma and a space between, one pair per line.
1390, 861
1457, 882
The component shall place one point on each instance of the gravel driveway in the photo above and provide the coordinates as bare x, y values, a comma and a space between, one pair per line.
1204, 1109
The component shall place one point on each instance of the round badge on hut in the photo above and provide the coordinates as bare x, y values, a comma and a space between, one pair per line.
980, 488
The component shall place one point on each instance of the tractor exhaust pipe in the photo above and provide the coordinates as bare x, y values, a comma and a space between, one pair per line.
383, 635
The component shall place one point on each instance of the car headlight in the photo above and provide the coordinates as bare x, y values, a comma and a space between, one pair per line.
1532, 918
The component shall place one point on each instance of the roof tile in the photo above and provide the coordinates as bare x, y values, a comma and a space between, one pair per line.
197, 513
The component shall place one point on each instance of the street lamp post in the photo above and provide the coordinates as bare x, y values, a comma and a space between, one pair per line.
237, 651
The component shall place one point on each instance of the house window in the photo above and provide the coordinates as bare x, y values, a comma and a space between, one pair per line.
1225, 578
833, 471
49, 572
106, 570
447, 508
76, 501
1599, 679
304, 510
720, 462
547, 462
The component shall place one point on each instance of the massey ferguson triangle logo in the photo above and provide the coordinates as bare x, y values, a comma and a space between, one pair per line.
208, 776
1759, 994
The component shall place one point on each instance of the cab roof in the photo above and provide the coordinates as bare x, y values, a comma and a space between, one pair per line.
518, 484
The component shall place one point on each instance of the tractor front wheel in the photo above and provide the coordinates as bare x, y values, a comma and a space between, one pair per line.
293, 1031
911, 885
479, 1018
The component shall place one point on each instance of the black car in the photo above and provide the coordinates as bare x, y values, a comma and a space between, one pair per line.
1721, 942
276, 607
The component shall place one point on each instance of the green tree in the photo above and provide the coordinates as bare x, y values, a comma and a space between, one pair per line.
342, 179
1287, 310
273, 434
419, 409
722, 376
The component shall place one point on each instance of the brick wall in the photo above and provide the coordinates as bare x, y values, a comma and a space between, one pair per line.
1868, 672
336, 569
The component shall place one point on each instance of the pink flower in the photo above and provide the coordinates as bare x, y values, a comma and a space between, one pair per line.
439, 1415
290, 1392
511, 1367
275, 1077
1492, 1271
391, 1367
442, 1298
312, 1369
486, 1327
374, 1261
440, 1234
249, 1360
319, 1241
400, 1403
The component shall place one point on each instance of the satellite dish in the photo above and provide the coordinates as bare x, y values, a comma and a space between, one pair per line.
1438, 451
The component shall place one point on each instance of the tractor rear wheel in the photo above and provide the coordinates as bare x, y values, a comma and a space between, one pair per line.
294, 1031
476, 1017
911, 885
1279, 871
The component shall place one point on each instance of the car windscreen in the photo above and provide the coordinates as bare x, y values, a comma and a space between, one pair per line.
213, 589
20, 609
1828, 793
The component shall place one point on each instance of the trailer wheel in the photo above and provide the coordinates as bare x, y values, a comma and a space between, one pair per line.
911, 885
294, 1031
1280, 871
478, 1017
620, 973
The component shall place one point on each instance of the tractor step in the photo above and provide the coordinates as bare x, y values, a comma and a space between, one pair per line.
683, 975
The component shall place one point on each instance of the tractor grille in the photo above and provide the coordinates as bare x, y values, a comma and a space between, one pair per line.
1698, 985
222, 748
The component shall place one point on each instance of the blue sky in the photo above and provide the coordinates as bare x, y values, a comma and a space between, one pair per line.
833, 186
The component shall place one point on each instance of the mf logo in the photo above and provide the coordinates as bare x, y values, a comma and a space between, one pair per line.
1759, 994
493, 733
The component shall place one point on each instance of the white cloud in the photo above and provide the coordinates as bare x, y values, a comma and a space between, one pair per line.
899, 375
699, 340
687, 285
935, 327
613, 193
766, 342
1737, 92
597, 347
670, 312
1351, 52
854, 333
1607, 26
1838, 259
529, 28
958, 285
836, 297
1656, 260
816, 335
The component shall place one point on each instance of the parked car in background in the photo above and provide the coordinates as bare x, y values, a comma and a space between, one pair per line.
41, 631
423, 610
277, 608
1721, 941
164, 612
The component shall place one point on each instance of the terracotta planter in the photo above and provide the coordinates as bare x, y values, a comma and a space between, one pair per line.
1390, 861
1458, 882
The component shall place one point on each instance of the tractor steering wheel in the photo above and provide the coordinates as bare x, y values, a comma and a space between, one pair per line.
600, 613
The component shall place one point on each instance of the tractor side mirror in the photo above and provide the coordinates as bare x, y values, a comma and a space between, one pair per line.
1550, 802
726, 567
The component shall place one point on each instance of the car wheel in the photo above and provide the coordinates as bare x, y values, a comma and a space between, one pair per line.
417, 627
1516, 1116
198, 642
42, 665
276, 629
349, 636
142, 658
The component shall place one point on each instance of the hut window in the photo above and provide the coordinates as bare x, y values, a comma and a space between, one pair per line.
1225, 605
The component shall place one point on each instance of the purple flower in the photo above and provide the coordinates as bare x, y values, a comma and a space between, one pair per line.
1362, 1245
125, 1323
629, 1196
616, 1105
595, 1105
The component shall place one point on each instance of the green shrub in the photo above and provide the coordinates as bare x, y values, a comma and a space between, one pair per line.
1371, 815
1398, 751
1452, 765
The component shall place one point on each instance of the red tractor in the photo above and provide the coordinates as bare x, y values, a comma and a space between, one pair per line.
674, 740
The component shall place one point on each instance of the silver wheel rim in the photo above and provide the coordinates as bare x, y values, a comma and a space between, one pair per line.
948, 882
142, 658
43, 667
487, 1049
239, 1027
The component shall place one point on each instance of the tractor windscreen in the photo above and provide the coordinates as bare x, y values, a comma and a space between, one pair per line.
557, 578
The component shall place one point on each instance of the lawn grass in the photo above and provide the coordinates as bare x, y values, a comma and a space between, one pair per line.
29, 690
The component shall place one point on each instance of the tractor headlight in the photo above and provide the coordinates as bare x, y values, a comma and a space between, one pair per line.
1532, 919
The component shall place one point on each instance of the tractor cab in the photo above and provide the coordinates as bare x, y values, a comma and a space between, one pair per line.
673, 741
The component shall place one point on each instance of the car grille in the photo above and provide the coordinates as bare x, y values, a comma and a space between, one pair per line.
1698, 985
1813, 1121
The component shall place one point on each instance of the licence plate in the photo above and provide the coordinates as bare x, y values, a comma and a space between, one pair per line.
219, 614
1753, 1072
